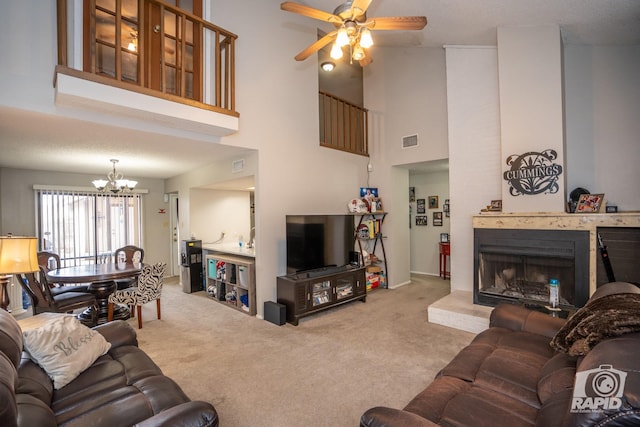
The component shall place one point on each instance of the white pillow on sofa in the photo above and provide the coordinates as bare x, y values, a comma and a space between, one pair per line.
64, 348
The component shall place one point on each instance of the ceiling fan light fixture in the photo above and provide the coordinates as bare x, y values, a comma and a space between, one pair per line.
328, 66
366, 41
343, 38
336, 52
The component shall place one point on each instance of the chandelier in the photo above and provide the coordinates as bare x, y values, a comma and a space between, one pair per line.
114, 182
356, 36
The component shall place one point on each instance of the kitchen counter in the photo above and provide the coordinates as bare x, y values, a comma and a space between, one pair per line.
231, 249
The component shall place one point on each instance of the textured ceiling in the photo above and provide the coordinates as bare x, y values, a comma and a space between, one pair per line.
36, 141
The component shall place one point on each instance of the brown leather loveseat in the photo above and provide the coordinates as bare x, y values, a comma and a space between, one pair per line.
123, 387
531, 369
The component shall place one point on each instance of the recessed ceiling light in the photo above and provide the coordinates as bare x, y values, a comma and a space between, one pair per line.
328, 66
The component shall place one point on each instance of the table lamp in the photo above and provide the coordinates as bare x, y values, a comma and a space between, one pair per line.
17, 255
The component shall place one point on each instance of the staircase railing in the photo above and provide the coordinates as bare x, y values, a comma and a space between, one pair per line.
343, 125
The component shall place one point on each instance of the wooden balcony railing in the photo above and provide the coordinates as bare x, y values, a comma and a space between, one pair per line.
343, 125
203, 62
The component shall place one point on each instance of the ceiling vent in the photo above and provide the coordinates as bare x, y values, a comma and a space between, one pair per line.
237, 166
410, 141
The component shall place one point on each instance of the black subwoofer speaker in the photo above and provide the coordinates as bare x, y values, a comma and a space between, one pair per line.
275, 313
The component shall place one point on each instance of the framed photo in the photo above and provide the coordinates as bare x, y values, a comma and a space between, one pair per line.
420, 206
496, 205
412, 194
421, 220
437, 219
433, 202
589, 203
444, 237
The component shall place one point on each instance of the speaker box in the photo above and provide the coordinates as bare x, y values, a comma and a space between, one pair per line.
275, 313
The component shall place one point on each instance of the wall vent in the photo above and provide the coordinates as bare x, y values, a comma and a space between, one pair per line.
410, 141
237, 165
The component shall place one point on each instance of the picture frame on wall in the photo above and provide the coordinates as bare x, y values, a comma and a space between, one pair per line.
421, 220
412, 194
589, 203
437, 219
444, 237
433, 202
420, 206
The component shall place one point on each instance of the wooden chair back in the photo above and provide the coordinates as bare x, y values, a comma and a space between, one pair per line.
129, 254
37, 288
49, 260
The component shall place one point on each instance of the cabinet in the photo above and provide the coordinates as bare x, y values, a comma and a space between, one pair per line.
369, 238
307, 293
231, 281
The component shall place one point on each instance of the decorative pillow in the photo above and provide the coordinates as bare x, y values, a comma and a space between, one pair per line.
64, 348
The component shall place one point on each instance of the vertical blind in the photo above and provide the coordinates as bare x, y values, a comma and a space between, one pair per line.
86, 227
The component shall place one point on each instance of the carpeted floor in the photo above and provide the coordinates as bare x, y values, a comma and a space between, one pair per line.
324, 372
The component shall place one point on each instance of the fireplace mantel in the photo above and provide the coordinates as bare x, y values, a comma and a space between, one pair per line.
561, 221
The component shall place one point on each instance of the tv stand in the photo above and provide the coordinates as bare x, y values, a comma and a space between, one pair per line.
309, 292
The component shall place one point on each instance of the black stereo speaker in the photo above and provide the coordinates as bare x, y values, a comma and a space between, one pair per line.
275, 313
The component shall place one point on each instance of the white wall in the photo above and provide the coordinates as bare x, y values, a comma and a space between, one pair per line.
474, 148
602, 110
425, 249
216, 211
531, 113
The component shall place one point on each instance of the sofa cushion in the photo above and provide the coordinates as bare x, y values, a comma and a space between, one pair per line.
64, 347
557, 375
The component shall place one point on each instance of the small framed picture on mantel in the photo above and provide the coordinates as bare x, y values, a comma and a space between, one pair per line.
590, 203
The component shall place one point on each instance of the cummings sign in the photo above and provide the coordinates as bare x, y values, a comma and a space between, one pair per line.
533, 173
598, 389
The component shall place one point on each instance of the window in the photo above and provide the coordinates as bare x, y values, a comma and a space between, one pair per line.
85, 227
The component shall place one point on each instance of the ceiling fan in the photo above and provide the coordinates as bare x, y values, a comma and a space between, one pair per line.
353, 29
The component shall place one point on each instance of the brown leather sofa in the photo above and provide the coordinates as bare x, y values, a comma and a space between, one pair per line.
531, 369
121, 388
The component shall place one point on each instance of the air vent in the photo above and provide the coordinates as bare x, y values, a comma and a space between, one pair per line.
237, 165
410, 141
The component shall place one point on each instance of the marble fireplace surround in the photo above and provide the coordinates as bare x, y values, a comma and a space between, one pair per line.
457, 310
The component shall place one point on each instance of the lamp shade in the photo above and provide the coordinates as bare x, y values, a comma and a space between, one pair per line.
18, 254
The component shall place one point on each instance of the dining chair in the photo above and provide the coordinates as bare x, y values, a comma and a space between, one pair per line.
43, 300
149, 289
128, 254
51, 261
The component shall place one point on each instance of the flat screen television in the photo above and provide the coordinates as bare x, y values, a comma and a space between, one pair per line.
318, 241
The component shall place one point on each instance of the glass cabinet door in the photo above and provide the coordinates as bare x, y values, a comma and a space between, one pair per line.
320, 292
344, 288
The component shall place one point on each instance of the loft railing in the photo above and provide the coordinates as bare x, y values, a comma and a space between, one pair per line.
206, 79
343, 125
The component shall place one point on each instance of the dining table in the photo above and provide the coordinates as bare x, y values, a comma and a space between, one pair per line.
101, 279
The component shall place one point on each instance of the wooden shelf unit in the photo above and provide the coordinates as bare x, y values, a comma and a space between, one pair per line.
374, 222
231, 280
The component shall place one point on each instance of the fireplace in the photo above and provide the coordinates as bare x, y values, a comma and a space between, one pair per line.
513, 265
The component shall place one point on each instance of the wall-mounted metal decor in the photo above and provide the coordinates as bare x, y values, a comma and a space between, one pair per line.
533, 173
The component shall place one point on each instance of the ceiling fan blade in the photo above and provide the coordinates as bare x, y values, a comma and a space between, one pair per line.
359, 7
328, 38
310, 12
397, 23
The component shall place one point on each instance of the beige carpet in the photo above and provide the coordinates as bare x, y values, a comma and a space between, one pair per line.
325, 372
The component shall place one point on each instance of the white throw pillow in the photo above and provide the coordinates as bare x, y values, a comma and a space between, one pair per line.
64, 348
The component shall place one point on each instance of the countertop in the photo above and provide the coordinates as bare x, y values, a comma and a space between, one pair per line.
230, 248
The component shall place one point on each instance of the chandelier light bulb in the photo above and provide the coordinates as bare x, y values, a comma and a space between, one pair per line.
336, 51
365, 38
343, 37
358, 53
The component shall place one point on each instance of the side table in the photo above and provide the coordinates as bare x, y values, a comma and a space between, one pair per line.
445, 251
